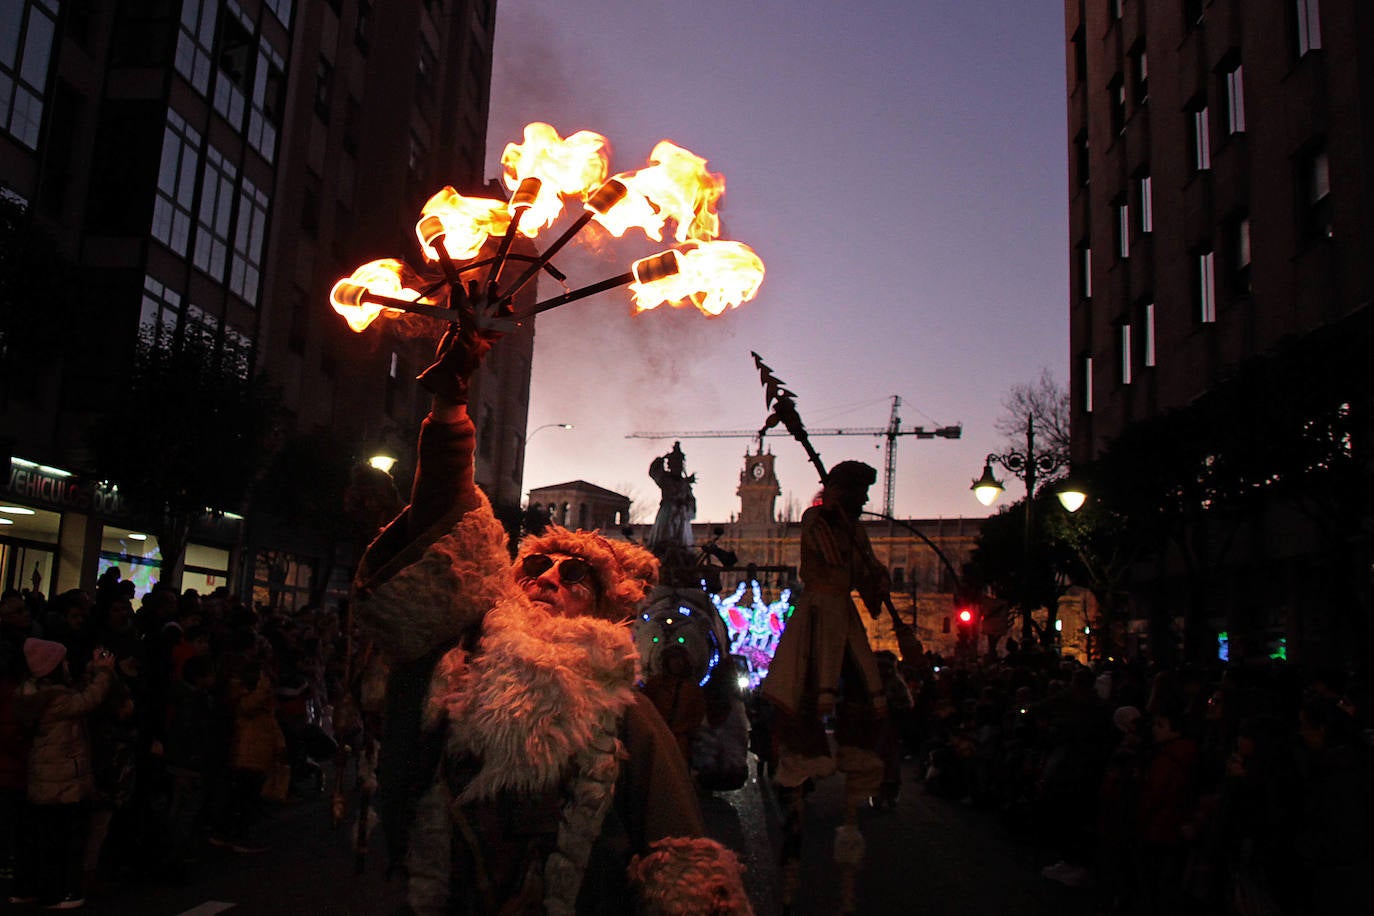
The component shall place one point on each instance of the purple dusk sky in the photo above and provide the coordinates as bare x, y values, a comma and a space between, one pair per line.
900, 168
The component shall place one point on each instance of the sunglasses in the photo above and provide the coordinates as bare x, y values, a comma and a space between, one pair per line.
571, 570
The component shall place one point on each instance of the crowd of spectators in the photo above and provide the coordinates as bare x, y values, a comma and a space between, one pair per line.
130, 738
1241, 789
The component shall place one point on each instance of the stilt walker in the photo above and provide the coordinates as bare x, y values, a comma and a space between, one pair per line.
824, 669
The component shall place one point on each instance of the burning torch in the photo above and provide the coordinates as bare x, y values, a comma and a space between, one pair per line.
544, 172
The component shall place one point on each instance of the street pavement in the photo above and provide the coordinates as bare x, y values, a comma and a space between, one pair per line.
930, 856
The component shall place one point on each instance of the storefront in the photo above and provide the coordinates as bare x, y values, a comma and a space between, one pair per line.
58, 532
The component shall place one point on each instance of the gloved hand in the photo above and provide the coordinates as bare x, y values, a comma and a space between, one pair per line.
461, 350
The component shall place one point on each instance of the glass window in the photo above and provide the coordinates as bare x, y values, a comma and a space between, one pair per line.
176, 184
1235, 100
1147, 205
235, 64
196, 42
1149, 333
1307, 14
281, 9
26, 39
1124, 351
1206, 289
1315, 184
245, 270
1201, 139
161, 310
1240, 256
1123, 229
1087, 384
269, 87
216, 209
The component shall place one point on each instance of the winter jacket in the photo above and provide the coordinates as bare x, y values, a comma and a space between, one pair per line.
258, 741
60, 760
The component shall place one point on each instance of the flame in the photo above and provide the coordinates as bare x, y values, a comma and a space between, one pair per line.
675, 186
569, 167
713, 275
387, 277
465, 223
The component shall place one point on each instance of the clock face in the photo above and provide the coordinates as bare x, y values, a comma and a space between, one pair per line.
758, 471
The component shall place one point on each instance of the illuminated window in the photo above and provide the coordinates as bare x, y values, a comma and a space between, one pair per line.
196, 42
176, 184
26, 39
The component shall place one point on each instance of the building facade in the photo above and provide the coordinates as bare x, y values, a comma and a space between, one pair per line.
212, 167
1219, 210
578, 504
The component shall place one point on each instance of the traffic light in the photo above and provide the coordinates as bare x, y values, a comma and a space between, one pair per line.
966, 620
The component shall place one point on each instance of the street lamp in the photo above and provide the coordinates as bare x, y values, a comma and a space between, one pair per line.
1030, 467
546, 426
382, 462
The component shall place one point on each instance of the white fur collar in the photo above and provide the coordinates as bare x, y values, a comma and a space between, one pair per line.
535, 694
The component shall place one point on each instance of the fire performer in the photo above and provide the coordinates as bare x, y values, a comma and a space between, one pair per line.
521, 770
825, 667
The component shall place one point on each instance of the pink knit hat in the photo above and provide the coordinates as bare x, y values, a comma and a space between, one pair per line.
43, 656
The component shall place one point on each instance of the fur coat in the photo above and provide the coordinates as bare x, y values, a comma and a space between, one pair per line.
538, 776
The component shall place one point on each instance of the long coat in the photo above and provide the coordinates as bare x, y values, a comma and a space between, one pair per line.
60, 759
837, 559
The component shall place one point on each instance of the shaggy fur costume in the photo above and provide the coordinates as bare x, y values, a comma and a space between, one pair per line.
536, 701
689, 877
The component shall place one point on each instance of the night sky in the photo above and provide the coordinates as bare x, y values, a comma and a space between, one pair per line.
900, 168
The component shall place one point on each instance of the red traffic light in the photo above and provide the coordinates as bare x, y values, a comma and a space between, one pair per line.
966, 616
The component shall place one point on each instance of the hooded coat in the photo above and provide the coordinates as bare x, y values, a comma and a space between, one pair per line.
60, 758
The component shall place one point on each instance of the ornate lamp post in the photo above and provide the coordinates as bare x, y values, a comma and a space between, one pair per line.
1030, 467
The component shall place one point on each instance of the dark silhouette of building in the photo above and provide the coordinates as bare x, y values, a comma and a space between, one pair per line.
212, 167
1219, 211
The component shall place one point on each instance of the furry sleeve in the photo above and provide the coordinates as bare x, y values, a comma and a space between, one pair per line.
443, 591
689, 877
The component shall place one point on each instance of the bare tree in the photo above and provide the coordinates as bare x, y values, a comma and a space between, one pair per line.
1047, 402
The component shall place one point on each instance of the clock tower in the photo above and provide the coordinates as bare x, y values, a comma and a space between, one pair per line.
758, 490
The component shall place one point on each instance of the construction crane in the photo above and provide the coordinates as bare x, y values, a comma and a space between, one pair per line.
890, 432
